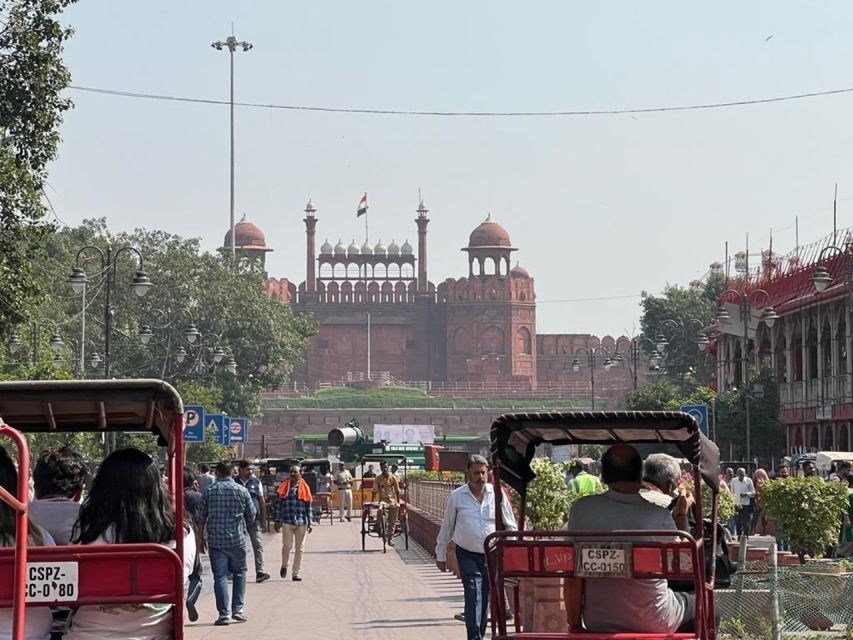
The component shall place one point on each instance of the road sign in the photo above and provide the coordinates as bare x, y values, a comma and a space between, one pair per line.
699, 413
239, 430
193, 423
222, 425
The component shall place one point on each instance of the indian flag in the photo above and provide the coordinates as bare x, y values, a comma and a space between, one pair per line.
362, 206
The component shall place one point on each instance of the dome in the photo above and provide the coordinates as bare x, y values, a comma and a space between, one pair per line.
247, 236
489, 234
340, 248
406, 249
353, 249
366, 249
393, 249
379, 249
519, 272
326, 248
310, 207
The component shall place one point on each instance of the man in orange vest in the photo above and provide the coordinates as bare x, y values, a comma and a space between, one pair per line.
295, 515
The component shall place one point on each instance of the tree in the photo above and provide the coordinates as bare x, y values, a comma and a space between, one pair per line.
32, 80
674, 315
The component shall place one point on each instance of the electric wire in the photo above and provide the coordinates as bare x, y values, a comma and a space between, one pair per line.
476, 114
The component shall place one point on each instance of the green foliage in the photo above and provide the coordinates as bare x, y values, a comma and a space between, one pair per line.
725, 502
547, 498
411, 397
32, 80
445, 476
809, 509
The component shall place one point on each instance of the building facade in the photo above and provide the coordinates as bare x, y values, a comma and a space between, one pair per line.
379, 314
807, 347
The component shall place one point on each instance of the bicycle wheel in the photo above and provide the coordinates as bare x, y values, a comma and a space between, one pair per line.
404, 525
363, 530
383, 528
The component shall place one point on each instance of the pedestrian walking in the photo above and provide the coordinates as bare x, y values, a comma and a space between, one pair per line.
343, 481
468, 518
294, 499
226, 513
205, 477
252, 484
192, 508
743, 490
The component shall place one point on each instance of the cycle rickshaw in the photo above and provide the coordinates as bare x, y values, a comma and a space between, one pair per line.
512, 555
374, 523
96, 574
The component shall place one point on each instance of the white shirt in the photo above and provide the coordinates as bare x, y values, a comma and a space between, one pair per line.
743, 490
467, 521
38, 619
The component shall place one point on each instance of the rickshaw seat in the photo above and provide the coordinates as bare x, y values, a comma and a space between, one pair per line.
107, 573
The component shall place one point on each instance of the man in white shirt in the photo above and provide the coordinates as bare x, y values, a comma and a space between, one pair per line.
343, 481
468, 518
744, 493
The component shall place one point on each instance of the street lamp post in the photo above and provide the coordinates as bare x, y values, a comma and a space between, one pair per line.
678, 331
634, 347
590, 355
231, 44
769, 317
56, 342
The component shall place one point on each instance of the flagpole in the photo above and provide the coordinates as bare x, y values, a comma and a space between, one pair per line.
368, 347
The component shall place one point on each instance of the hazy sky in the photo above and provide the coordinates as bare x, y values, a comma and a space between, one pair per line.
598, 206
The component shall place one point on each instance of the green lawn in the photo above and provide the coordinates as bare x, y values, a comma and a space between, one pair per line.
410, 398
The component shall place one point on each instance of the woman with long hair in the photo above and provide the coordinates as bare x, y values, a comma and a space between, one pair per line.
129, 502
760, 525
39, 619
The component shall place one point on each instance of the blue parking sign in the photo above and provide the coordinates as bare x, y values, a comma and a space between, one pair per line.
221, 423
239, 430
193, 423
699, 413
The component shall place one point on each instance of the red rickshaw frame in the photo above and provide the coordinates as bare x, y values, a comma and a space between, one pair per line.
514, 439
108, 574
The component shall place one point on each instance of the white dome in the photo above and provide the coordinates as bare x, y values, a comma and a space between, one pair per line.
393, 249
379, 249
326, 248
310, 207
366, 249
406, 249
340, 248
353, 249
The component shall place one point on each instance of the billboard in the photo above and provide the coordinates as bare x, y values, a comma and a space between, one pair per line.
404, 433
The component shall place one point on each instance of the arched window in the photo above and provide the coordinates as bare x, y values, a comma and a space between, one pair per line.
326, 270
340, 271
461, 341
353, 271
492, 340
523, 341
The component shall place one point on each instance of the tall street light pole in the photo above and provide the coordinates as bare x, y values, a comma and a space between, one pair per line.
231, 44
769, 317
635, 344
590, 355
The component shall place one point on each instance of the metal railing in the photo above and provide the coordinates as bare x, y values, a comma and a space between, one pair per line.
817, 392
430, 496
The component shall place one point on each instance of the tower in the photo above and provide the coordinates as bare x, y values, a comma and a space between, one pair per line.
249, 241
422, 222
310, 221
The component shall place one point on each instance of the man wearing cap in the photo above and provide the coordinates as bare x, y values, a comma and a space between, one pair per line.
253, 485
343, 481
582, 483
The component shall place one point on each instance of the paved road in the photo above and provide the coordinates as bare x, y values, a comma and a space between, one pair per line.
346, 593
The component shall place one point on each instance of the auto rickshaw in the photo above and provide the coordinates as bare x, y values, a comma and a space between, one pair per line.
95, 574
512, 555
373, 520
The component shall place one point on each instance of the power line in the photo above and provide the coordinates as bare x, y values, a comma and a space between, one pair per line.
477, 114
635, 295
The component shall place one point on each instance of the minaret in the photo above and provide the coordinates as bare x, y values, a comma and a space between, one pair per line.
422, 221
311, 262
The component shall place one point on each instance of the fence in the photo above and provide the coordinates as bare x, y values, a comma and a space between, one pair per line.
430, 496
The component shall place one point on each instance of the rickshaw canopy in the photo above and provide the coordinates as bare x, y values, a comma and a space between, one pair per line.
824, 459
65, 406
515, 436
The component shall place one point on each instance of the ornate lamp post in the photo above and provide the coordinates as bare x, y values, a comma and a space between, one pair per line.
635, 345
745, 302
590, 355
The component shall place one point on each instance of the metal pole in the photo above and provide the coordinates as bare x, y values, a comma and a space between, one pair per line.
773, 566
368, 347
233, 240
591, 355
81, 364
35, 339
744, 314
109, 438
635, 360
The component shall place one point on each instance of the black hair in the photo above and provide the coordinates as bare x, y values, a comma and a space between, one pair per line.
59, 472
223, 469
203, 468
129, 502
8, 516
244, 464
623, 469
189, 478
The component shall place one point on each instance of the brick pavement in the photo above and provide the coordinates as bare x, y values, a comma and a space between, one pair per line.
346, 593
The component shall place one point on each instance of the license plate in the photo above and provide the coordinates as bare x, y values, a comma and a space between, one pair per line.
603, 560
51, 582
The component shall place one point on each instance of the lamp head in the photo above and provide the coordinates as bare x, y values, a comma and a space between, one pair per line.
140, 283
769, 316
77, 279
145, 334
821, 278
56, 342
191, 333
231, 366
180, 355
94, 361
14, 342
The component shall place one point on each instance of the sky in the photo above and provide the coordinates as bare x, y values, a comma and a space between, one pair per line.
601, 207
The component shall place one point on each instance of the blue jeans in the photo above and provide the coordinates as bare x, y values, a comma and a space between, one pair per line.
223, 562
475, 583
